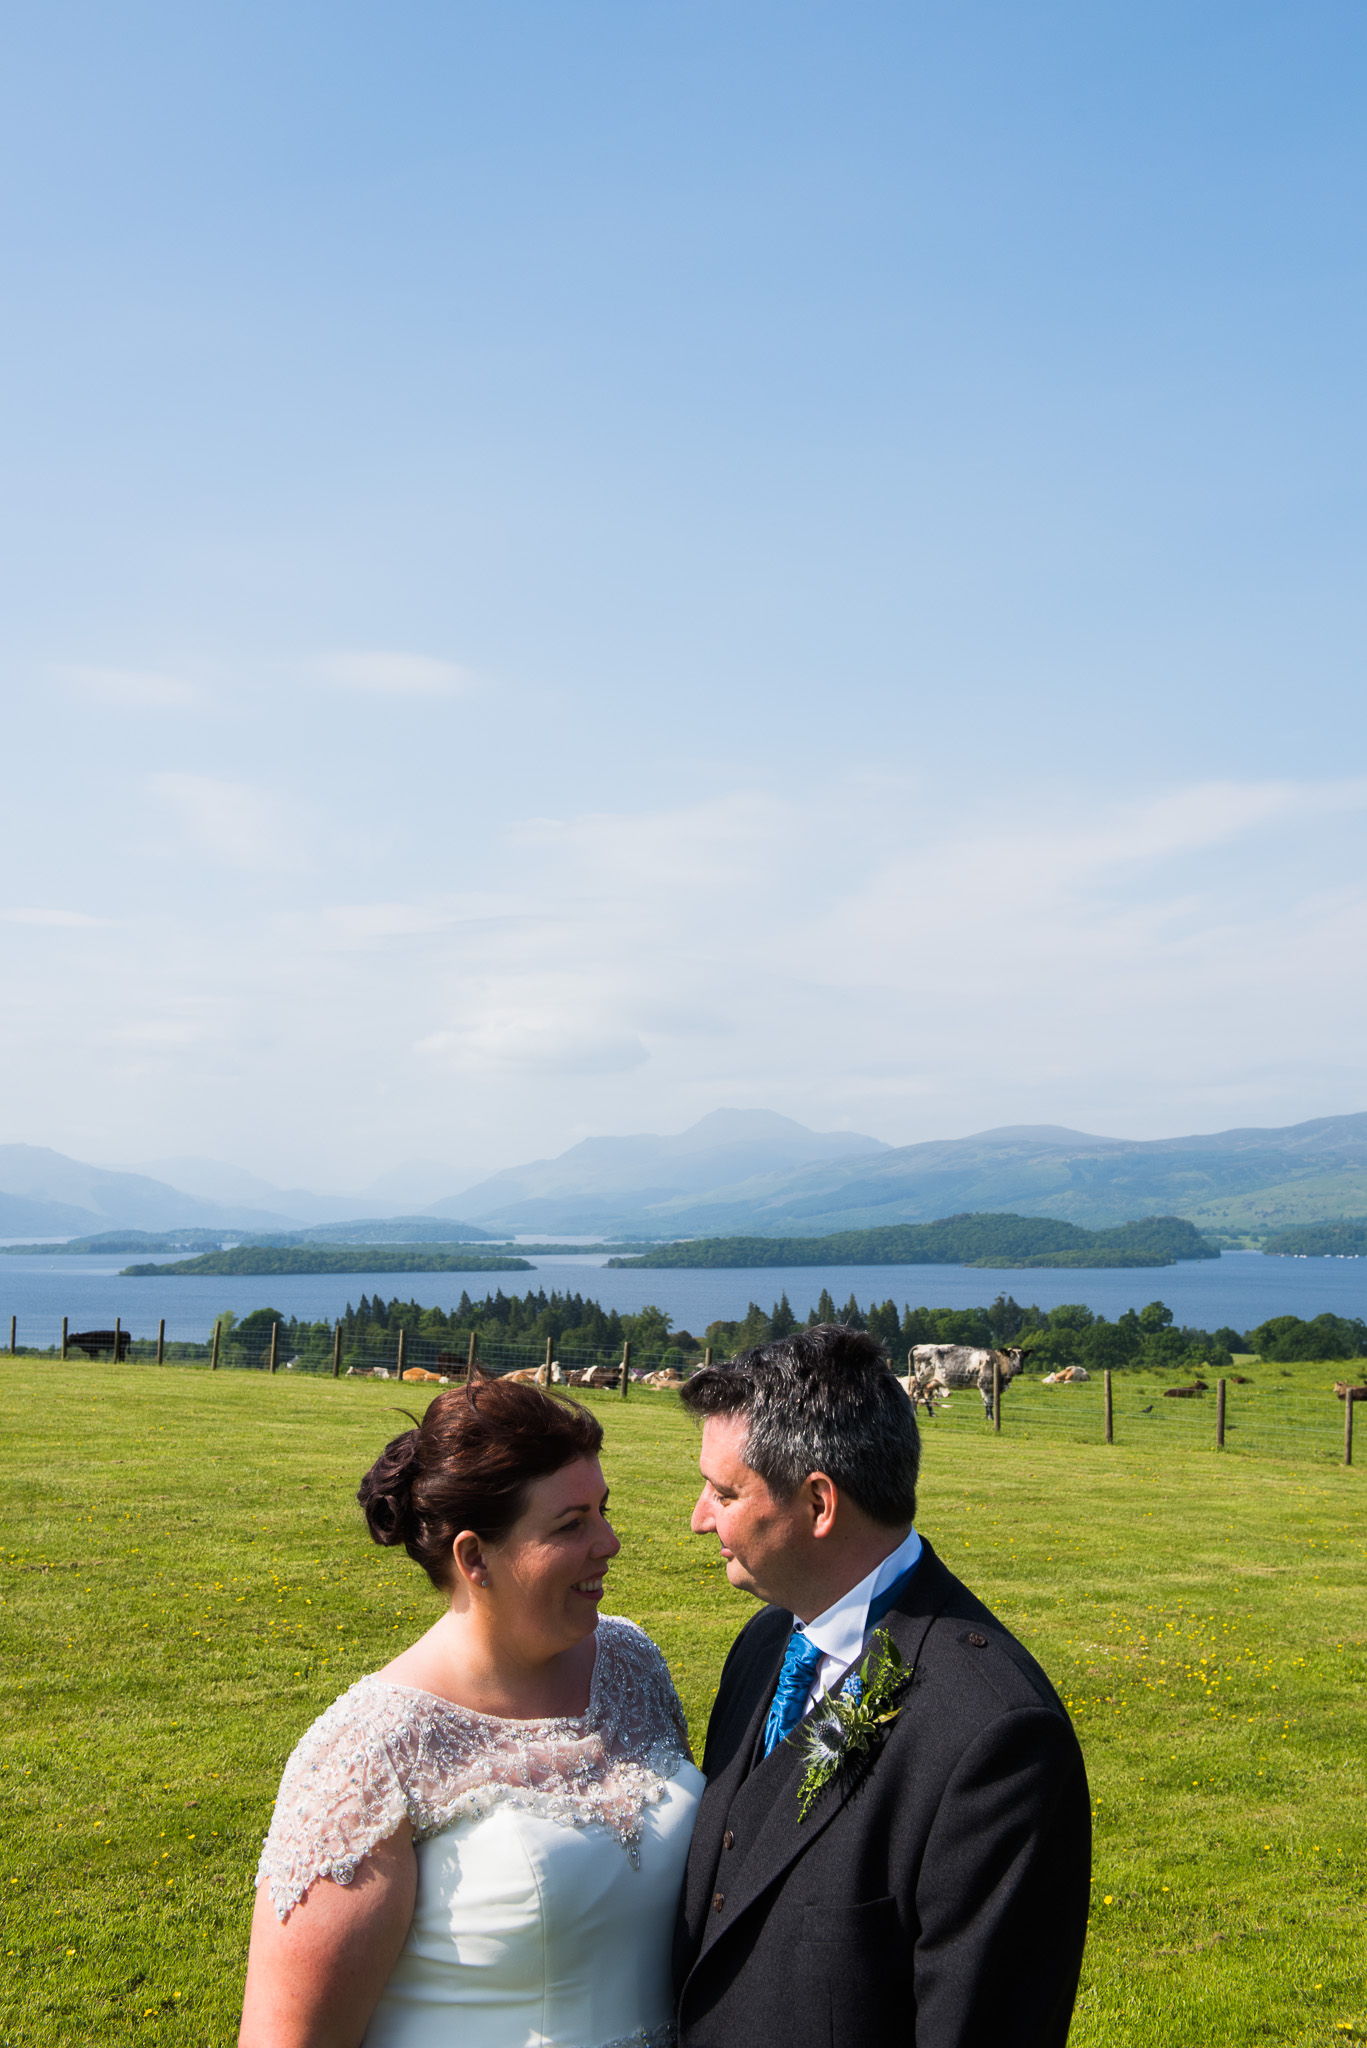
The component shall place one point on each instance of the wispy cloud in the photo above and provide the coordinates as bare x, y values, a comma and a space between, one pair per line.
132, 689
527, 1039
57, 920
234, 823
906, 965
388, 672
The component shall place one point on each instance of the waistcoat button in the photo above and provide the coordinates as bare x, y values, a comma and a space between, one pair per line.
718, 1901
728, 1840
978, 1642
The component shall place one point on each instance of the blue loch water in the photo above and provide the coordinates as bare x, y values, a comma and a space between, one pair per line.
1239, 1289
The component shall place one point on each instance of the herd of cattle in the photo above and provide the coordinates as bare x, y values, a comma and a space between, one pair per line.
532, 1375
934, 1372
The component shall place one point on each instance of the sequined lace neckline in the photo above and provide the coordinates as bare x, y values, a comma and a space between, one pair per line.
439, 1699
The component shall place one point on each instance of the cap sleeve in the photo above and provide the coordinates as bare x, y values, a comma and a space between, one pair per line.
343, 1793
644, 1699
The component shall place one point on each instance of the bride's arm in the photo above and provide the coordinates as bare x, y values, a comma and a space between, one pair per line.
313, 1979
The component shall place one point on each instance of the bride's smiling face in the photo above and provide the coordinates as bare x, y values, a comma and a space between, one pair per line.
544, 1579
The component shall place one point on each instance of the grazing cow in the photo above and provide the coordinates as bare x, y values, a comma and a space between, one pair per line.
1184, 1393
93, 1341
924, 1389
1347, 1393
962, 1365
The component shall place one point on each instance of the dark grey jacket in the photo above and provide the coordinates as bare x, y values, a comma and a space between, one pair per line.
941, 1900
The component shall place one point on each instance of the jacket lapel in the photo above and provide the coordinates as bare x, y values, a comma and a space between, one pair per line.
763, 1808
735, 1745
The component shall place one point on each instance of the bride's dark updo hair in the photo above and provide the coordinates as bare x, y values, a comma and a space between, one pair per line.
468, 1465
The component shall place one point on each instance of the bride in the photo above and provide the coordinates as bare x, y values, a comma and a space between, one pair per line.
483, 1844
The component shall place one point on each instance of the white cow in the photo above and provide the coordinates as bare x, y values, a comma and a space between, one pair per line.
935, 1368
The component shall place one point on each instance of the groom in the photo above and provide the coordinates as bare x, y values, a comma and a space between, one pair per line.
935, 1895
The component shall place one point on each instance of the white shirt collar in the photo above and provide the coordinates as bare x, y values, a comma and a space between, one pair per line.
839, 1632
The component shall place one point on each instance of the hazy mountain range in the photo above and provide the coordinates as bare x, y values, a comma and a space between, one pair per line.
1239, 1182
753, 1171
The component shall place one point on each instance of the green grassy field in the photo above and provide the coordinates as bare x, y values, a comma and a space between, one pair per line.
187, 1583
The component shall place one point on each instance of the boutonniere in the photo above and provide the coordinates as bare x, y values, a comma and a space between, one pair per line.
848, 1725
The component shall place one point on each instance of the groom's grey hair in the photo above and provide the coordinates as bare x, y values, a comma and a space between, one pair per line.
823, 1400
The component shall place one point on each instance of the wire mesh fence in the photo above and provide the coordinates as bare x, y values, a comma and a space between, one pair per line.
1268, 1415
1271, 1411
325, 1349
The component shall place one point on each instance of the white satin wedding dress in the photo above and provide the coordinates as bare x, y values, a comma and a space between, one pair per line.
550, 1853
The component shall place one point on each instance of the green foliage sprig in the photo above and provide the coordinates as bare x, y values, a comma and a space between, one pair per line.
847, 1726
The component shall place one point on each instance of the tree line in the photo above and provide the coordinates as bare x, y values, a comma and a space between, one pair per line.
976, 1238
580, 1328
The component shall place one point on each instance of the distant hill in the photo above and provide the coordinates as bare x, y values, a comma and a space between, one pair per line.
1243, 1182
750, 1173
402, 1230
27, 1216
1001, 1241
612, 1185
44, 1192
275, 1259
380, 1230
1345, 1240
117, 1243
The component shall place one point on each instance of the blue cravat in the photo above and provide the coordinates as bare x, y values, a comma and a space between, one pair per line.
800, 1662
802, 1659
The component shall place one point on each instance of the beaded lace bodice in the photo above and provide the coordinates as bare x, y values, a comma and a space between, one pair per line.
383, 1753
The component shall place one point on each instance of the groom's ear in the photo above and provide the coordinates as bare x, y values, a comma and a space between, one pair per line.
822, 1501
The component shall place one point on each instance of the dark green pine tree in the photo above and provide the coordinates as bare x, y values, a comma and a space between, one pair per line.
885, 1324
851, 1317
782, 1322
824, 1312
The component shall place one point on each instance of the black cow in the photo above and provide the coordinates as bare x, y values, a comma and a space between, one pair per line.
94, 1341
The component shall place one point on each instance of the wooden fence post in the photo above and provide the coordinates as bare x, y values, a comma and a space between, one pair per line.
1348, 1427
275, 1345
706, 1357
1110, 1409
13, 1335
118, 1337
64, 1326
546, 1368
213, 1355
471, 1355
626, 1366
398, 1364
1219, 1415
161, 1342
337, 1352
997, 1394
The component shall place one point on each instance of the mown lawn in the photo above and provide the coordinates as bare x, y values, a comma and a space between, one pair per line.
186, 1583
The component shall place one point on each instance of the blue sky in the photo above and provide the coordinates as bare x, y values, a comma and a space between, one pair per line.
568, 565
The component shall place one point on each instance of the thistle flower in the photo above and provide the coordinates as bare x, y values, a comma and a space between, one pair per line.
823, 1738
849, 1723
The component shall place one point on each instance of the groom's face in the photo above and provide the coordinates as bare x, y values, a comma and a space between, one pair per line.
761, 1537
